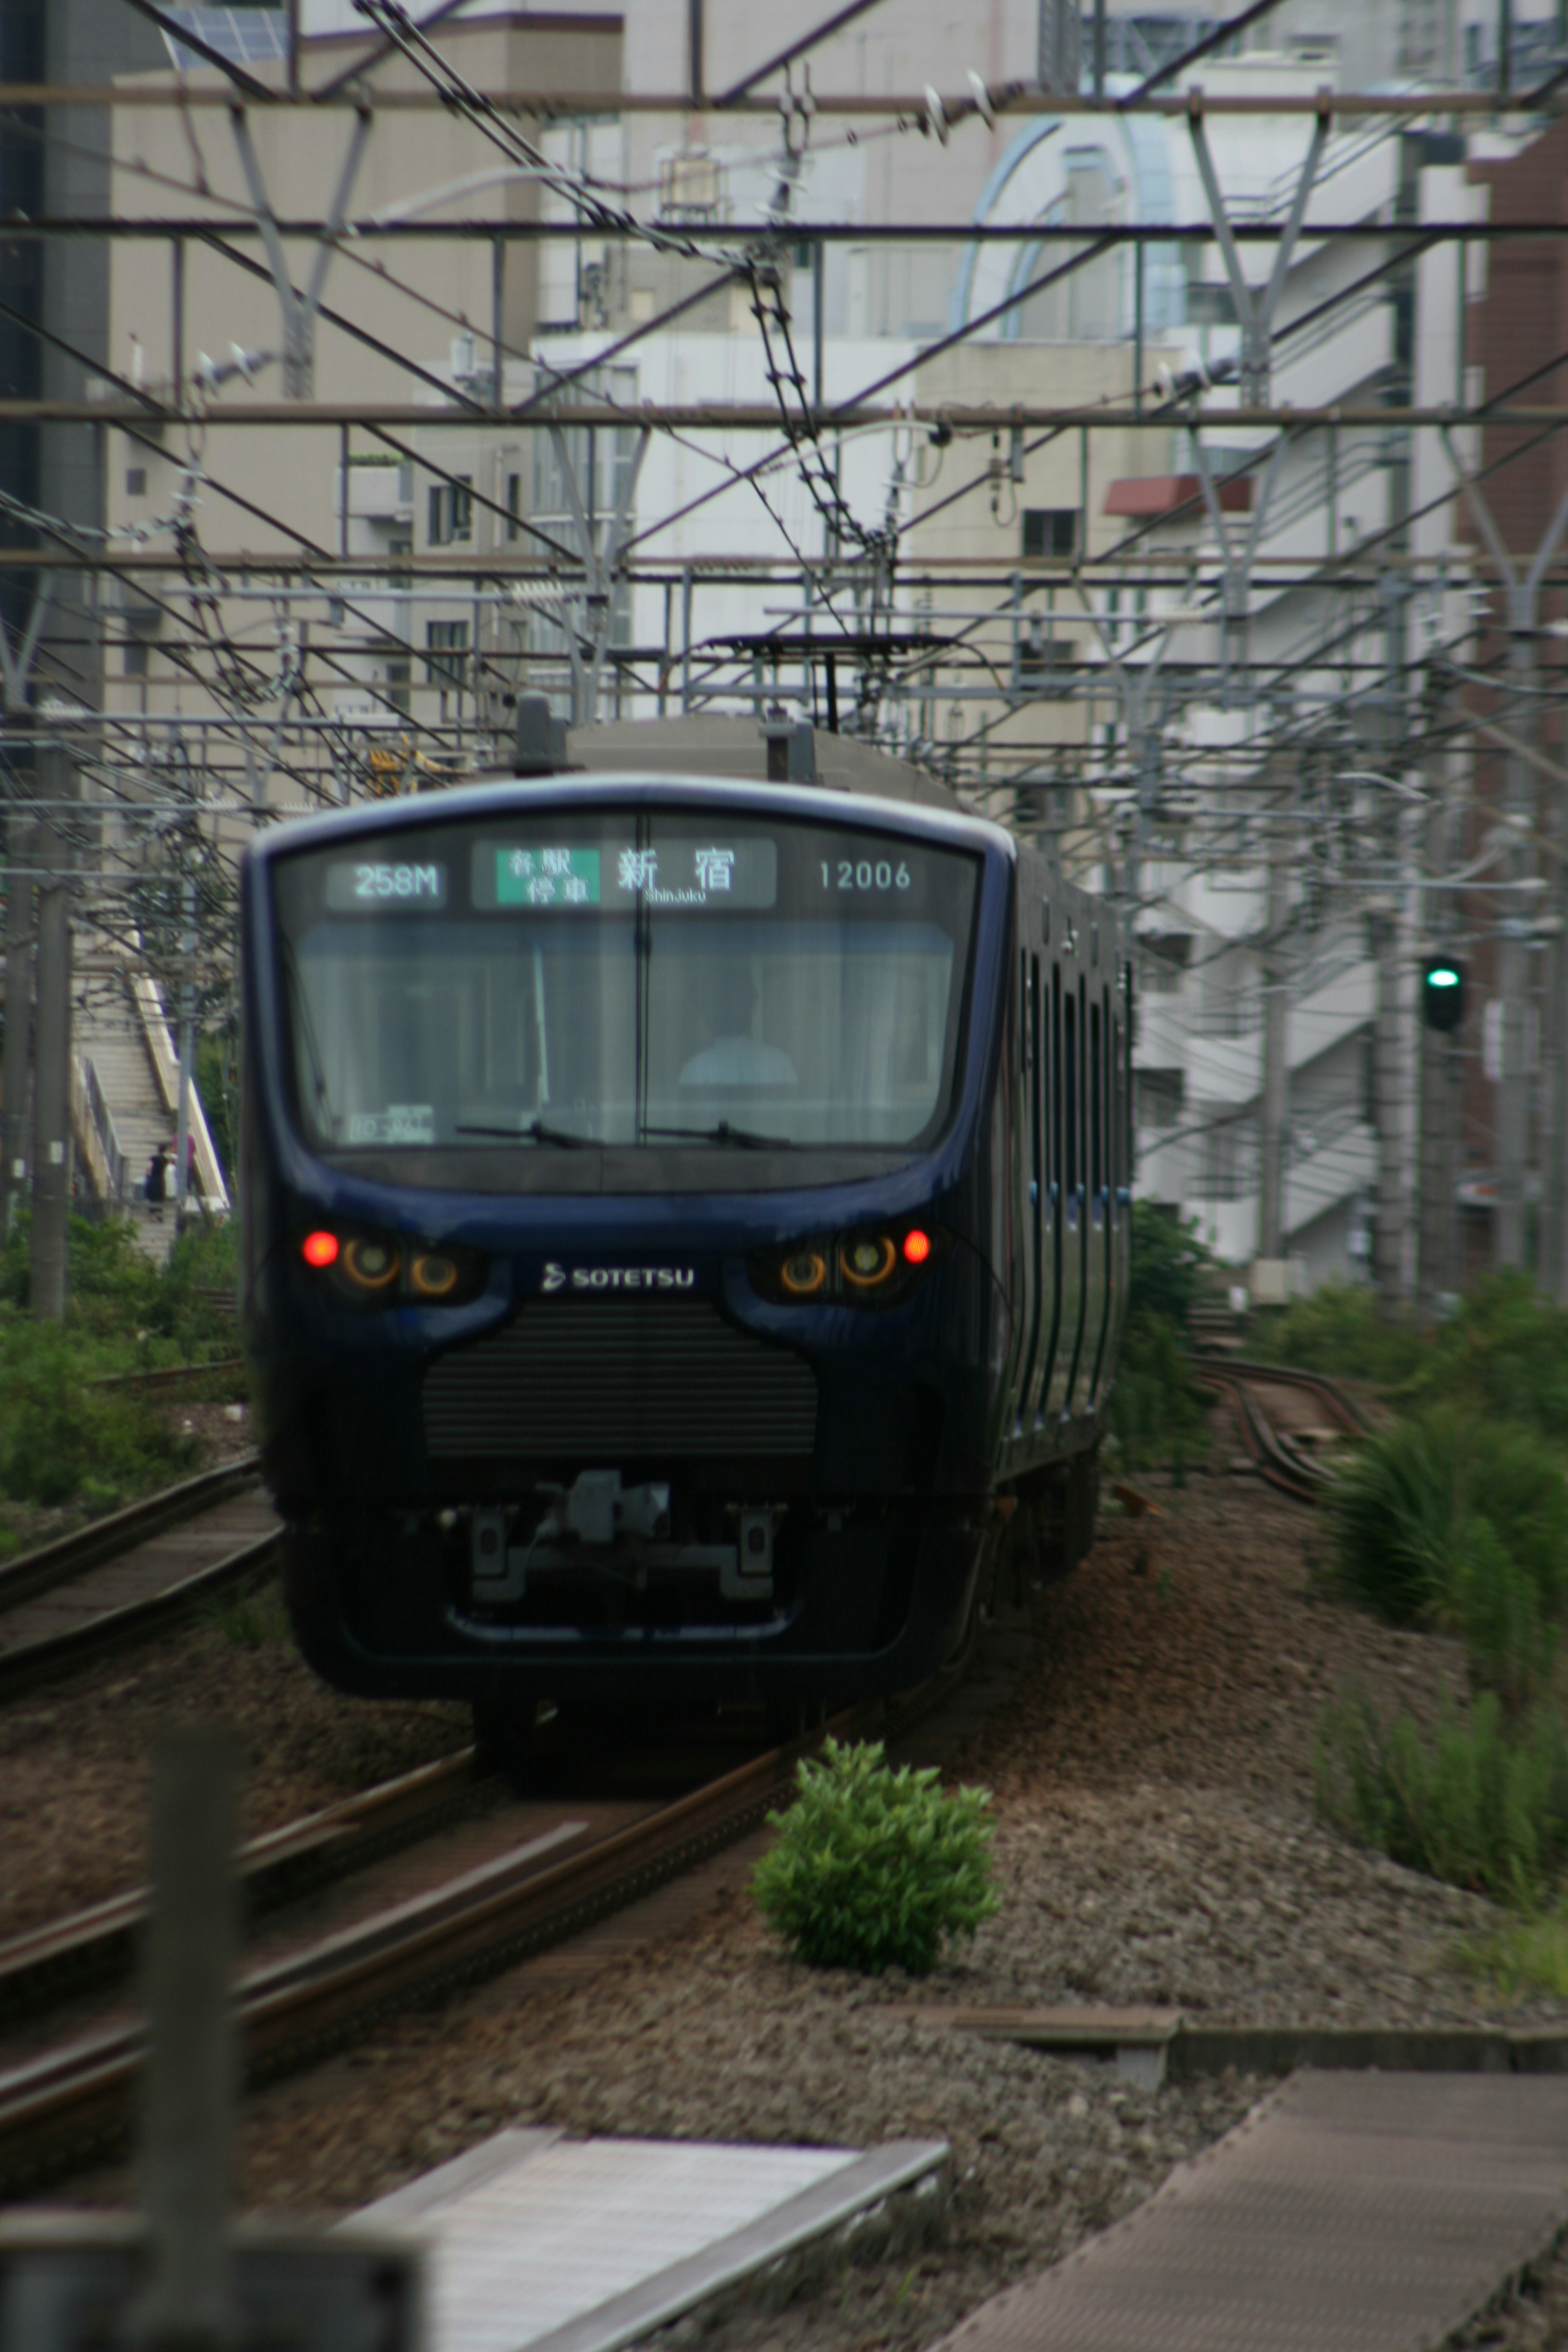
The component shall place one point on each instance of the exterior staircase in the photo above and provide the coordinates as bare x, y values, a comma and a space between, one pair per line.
125, 1093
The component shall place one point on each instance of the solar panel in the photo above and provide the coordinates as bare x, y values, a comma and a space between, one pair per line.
245, 37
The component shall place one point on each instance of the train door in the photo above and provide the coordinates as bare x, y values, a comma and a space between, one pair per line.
1051, 1188
1070, 1212
1122, 1174
1077, 1237
1029, 1180
1007, 1238
1030, 1108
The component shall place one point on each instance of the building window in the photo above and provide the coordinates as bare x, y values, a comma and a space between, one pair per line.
1050, 530
514, 506
1165, 957
451, 511
1161, 1095
135, 481
135, 657
447, 649
398, 677
1043, 660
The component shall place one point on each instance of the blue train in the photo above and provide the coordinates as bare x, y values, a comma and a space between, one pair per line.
685, 1224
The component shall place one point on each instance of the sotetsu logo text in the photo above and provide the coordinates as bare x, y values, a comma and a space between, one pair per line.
617, 1277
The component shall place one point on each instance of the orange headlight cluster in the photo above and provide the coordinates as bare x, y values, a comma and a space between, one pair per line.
383, 1270
870, 1268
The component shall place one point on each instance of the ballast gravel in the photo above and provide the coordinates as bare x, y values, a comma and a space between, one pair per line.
1151, 1772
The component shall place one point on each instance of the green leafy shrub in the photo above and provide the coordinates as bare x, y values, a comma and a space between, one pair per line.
67, 1434
1394, 1509
1168, 1263
1496, 1606
1481, 1804
1505, 1354
1446, 1521
1339, 1329
873, 1868
1156, 1410
62, 1438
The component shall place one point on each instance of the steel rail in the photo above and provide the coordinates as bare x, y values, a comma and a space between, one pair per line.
44, 1965
32, 1572
71, 2103
31, 1663
1279, 1463
168, 1376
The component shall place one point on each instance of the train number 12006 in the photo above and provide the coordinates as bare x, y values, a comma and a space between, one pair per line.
865, 873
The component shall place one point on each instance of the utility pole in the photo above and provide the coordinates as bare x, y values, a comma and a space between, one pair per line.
1512, 1121
1276, 1046
1441, 1067
18, 1014
191, 2079
187, 1050
1389, 1222
51, 1080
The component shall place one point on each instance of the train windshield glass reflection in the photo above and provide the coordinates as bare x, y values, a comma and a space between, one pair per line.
629, 979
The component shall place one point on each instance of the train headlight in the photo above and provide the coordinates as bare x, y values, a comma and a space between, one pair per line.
868, 1270
383, 1270
433, 1274
867, 1263
370, 1265
805, 1274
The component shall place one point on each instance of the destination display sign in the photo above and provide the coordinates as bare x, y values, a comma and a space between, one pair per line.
691, 870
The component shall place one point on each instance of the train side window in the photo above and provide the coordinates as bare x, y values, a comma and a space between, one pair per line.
1118, 1102
1036, 1059
1069, 1057
1096, 1103
1056, 1163
1043, 1092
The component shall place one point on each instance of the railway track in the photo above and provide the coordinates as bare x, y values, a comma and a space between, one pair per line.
132, 1572
1273, 1405
172, 1376
443, 1879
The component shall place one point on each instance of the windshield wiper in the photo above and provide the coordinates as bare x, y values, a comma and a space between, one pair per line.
536, 1131
745, 1138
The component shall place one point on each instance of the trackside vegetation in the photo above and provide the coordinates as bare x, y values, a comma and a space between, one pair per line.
1157, 1412
1454, 1516
71, 1436
873, 1868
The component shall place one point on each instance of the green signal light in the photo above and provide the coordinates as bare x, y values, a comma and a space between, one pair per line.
1443, 976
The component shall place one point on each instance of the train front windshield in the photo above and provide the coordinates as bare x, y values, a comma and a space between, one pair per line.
648, 979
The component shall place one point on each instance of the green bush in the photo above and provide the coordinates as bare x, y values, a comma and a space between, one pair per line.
69, 1435
1396, 1509
116, 1298
1157, 1412
1495, 1607
1168, 1263
1339, 1329
1505, 1354
1481, 1804
873, 1868
1446, 1521
64, 1439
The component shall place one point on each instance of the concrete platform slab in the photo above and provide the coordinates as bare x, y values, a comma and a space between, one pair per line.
1347, 2213
532, 2239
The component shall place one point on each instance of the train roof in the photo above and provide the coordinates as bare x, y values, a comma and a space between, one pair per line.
737, 749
